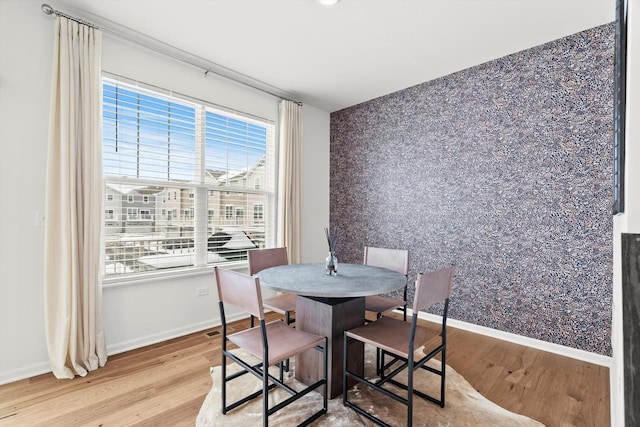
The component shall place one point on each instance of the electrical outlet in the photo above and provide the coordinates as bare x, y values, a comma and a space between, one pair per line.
200, 292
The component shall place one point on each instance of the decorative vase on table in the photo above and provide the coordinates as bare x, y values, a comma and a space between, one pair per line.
331, 264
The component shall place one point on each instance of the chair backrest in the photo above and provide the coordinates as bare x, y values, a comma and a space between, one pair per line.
392, 259
259, 259
240, 290
432, 288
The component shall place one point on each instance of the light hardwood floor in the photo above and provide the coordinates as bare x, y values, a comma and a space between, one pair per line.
164, 385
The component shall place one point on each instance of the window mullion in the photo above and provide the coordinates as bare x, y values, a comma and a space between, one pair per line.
138, 137
168, 141
200, 197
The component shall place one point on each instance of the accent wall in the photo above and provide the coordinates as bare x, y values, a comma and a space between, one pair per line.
503, 170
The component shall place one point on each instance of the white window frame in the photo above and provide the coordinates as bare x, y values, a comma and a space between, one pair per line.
193, 198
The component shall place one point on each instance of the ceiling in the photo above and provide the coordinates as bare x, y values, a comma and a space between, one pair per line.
338, 56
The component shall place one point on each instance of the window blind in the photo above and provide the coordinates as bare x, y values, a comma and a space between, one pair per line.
187, 184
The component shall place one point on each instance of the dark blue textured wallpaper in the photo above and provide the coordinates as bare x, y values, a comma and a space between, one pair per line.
503, 170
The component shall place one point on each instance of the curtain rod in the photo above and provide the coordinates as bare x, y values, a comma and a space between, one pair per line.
177, 54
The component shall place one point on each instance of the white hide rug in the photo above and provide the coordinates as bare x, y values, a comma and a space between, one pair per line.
464, 405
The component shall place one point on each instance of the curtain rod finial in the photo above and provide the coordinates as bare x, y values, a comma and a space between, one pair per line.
47, 9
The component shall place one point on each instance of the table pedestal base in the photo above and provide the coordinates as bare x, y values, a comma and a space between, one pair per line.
329, 317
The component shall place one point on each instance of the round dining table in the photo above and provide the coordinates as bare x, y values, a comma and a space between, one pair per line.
328, 305
352, 280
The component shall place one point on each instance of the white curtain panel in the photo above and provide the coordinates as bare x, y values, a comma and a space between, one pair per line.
290, 146
73, 209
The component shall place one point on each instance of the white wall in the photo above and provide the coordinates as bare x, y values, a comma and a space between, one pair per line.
315, 184
134, 314
25, 74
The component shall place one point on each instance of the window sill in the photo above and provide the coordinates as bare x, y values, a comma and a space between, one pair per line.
142, 278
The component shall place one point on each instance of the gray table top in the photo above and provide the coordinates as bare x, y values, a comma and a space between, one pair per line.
353, 280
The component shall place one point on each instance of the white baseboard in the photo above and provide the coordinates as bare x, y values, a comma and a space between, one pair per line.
44, 367
24, 372
121, 347
585, 356
168, 335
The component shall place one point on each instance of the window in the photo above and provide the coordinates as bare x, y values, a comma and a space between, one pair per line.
256, 183
258, 213
156, 146
109, 197
132, 213
240, 216
108, 214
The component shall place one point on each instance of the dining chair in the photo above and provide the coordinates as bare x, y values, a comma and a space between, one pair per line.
271, 343
401, 340
392, 259
259, 259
